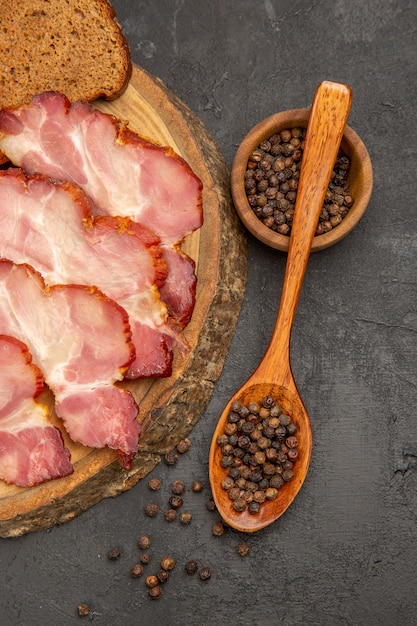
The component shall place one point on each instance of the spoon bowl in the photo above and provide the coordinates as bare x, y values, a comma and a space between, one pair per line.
290, 401
273, 376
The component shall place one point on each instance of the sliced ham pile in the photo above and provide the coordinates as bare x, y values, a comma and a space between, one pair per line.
92, 278
51, 227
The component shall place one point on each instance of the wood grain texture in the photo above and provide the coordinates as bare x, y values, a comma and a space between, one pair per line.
168, 407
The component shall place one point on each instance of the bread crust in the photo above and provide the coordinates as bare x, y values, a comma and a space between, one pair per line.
75, 47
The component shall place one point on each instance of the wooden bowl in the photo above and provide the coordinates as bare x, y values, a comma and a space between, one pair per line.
360, 180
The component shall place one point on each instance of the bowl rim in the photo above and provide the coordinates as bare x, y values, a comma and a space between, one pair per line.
265, 129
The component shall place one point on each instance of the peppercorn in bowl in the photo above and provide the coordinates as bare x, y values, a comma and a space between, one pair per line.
264, 181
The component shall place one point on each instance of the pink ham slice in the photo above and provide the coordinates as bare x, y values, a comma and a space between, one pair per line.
50, 226
122, 173
80, 339
32, 450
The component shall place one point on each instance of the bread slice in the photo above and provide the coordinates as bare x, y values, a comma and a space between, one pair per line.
75, 47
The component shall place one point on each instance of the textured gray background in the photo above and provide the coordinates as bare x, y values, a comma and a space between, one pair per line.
345, 552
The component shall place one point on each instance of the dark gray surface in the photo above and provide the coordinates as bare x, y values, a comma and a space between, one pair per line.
345, 553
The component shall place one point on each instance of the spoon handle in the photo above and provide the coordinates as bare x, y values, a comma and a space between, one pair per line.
327, 120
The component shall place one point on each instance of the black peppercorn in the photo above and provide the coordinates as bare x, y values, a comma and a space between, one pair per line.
144, 542
178, 487
222, 440
227, 461
239, 505
247, 428
163, 575
145, 558
284, 420
82, 610
292, 454
271, 493
288, 475
113, 554
210, 505
243, 548
228, 482
186, 517
171, 458
254, 507
204, 573
168, 563
151, 581
176, 502
136, 571
154, 484
234, 492
170, 515
276, 481
197, 486
183, 446
233, 417
218, 529
191, 567
155, 592
152, 509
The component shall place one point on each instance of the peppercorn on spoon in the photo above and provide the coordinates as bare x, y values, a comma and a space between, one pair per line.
273, 376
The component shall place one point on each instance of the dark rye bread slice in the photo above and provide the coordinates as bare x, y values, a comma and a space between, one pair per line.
75, 47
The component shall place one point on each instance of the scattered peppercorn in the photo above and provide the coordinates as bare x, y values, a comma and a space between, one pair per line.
163, 575
144, 542
191, 567
185, 518
183, 446
168, 563
271, 182
152, 509
176, 502
210, 505
145, 558
136, 571
178, 487
155, 592
205, 573
171, 458
259, 455
82, 610
151, 581
218, 529
113, 554
197, 486
154, 484
243, 548
170, 515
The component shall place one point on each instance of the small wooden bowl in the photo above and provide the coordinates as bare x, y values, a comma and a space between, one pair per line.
360, 180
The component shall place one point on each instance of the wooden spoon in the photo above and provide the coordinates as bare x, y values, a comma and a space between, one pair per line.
273, 376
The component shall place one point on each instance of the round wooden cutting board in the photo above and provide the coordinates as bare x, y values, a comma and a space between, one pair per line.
169, 407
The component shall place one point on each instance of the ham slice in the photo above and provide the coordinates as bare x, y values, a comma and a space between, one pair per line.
80, 339
32, 450
50, 226
122, 173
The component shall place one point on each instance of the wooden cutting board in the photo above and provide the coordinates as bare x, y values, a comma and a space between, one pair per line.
169, 407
